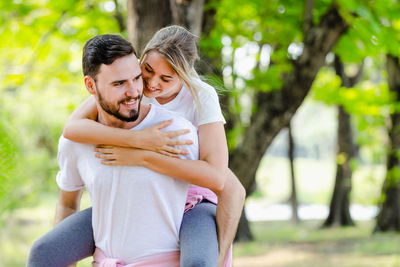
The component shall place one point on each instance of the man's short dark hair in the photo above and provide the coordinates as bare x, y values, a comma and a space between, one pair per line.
104, 49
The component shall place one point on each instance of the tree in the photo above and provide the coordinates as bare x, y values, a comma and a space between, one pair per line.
339, 211
293, 194
276, 108
389, 214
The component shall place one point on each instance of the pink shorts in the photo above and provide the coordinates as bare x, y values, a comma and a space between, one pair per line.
196, 194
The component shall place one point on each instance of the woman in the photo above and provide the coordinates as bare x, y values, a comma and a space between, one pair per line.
171, 81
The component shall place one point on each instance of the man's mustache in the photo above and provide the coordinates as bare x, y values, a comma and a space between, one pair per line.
129, 99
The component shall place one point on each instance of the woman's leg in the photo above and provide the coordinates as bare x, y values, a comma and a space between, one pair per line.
69, 241
198, 236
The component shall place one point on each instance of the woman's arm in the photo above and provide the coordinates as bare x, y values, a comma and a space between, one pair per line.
210, 171
82, 127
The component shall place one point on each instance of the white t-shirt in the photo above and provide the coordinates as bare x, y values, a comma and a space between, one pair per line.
137, 212
184, 104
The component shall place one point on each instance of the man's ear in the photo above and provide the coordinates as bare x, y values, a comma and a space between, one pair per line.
90, 84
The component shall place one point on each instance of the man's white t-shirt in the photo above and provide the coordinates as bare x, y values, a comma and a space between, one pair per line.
137, 212
184, 104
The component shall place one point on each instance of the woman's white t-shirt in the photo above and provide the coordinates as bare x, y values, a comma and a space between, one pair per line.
184, 104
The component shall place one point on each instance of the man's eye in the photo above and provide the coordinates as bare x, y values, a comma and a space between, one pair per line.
118, 83
147, 69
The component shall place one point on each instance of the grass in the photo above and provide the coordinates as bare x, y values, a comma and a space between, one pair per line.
277, 243
284, 244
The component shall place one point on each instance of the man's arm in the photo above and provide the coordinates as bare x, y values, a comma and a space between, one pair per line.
68, 203
230, 205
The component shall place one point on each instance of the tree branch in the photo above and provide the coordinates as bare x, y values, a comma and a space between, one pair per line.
119, 17
308, 15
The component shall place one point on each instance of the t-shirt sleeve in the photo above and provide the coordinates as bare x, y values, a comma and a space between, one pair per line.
68, 178
210, 109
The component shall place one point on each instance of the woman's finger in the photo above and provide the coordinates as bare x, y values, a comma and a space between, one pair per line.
168, 154
109, 162
105, 156
173, 150
175, 142
104, 146
107, 150
163, 124
177, 133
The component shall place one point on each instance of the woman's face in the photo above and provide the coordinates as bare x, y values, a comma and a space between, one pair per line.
159, 78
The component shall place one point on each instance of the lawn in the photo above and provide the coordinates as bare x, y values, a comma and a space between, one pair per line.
277, 243
284, 244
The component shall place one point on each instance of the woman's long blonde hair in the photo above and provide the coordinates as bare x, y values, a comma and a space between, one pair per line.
178, 46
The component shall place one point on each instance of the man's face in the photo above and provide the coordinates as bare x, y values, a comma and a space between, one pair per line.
119, 88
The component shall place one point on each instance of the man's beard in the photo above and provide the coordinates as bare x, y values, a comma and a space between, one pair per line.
113, 110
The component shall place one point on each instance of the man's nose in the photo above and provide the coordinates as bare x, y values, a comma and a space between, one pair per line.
132, 89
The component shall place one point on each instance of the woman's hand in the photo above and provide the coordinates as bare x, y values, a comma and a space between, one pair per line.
115, 155
162, 141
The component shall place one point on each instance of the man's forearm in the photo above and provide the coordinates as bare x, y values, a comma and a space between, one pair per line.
229, 209
67, 204
63, 212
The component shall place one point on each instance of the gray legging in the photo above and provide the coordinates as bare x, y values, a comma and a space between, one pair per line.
72, 240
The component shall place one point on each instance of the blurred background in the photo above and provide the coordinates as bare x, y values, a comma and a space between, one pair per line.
310, 91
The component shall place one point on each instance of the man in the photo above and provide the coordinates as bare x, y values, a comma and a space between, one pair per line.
136, 213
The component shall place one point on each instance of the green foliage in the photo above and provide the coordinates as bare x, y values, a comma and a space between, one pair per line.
8, 165
373, 33
41, 83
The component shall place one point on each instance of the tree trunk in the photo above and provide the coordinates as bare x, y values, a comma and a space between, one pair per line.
243, 233
145, 17
389, 215
293, 195
339, 211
